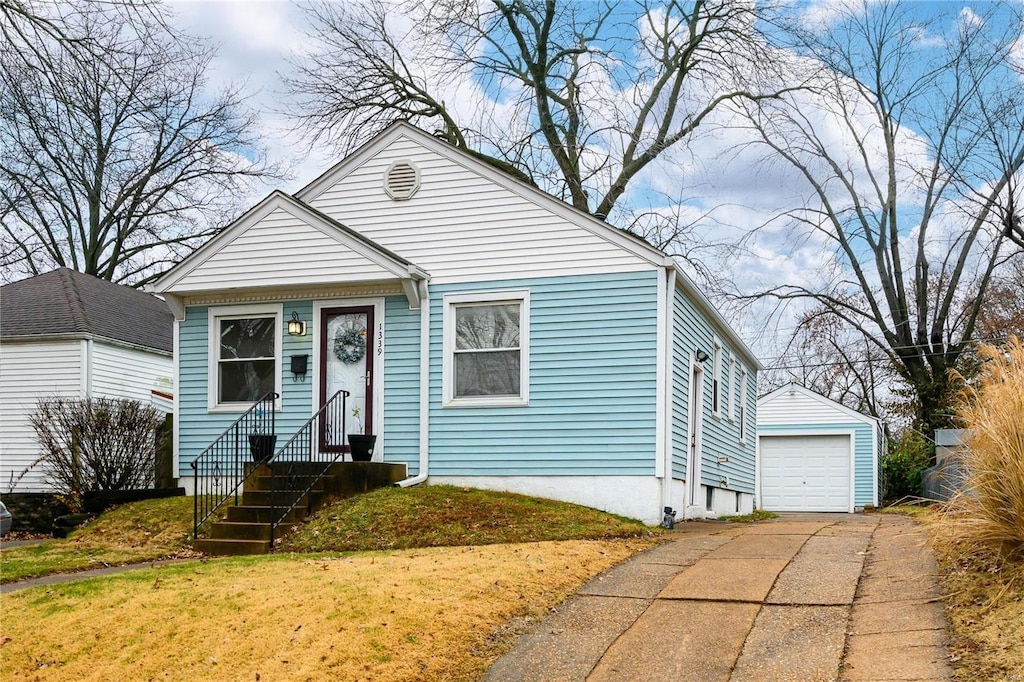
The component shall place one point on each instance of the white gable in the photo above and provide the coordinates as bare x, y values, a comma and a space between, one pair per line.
796, 405
281, 244
467, 222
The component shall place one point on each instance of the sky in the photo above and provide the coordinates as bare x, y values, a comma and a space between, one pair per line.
256, 40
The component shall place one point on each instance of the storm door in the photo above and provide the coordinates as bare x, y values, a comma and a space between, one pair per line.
346, 363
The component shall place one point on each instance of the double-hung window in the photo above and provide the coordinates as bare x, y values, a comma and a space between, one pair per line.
486, 349
245, 354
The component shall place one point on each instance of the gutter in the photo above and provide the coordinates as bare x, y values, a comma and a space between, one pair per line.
421, 476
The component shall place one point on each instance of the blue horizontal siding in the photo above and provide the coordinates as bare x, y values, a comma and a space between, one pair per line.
592, 385
401, 383
720, 436
863, 464
198, 428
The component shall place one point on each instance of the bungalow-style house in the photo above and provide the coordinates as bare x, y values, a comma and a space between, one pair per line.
814, 454
65, 333
488, 334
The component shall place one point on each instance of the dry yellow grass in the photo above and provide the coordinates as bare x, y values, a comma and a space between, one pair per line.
979, 536
991, 512
425, 615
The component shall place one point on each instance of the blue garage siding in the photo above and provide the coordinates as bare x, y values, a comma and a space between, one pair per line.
401, 383
198, 428
592, 384
720, 436
864, 438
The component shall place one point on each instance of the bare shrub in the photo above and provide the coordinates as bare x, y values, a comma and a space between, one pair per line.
990, 511
96, 443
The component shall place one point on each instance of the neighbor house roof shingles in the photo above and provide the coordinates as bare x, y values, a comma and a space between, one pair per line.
66, 301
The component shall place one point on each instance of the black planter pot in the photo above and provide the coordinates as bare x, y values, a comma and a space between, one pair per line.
261, 446
362, 446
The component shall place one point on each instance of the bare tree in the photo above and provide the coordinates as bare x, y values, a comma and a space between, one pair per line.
908, 151
576, 98
114, 159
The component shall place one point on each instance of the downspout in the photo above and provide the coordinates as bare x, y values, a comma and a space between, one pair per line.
421, 475
669, 331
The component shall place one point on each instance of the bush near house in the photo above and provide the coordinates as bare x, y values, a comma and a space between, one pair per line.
903, 464
97, 444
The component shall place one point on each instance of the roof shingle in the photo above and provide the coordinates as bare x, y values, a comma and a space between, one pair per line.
66, 301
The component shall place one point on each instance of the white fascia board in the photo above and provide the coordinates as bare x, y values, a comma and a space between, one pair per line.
793, 386
704, 304
599, 228
279, 200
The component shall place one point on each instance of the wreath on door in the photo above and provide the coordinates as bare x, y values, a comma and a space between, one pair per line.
350, 345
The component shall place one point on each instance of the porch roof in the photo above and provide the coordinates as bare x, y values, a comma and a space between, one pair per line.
284, 243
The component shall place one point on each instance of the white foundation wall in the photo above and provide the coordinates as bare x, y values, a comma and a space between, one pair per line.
636, 497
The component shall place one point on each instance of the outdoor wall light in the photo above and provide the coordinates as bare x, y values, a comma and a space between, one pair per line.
296, 327
700, 356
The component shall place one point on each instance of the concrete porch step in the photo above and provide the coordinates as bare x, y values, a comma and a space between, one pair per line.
238, 530
231, 547
257, 514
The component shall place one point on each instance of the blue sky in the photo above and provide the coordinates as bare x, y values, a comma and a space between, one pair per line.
256, 39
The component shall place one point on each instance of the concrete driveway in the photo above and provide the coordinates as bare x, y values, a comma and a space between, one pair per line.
803, 597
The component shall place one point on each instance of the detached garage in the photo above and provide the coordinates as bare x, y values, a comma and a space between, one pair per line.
814, 454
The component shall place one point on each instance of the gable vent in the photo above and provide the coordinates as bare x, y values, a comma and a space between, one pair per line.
401, 180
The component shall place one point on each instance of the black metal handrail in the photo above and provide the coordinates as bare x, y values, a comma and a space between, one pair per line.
219, 471
317, 445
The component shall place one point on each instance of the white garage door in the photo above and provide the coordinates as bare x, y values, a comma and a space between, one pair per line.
805, 473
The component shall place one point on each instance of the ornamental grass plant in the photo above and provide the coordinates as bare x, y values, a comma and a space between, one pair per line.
989, 513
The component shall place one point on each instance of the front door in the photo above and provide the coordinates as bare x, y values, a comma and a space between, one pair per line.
693, 459
346, 363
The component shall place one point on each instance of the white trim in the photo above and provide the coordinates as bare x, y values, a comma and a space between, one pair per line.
599, 228
213, 356
521, 296
665, 372
661, 377
796, 431
176, 373
377, 427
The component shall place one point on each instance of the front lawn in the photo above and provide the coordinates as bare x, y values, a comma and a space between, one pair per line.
449, 516
415, 615
131, 533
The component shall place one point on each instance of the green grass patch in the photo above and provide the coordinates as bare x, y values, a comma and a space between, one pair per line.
756, 515
450, 516
131, 533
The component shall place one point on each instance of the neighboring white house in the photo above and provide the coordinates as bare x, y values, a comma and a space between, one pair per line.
814, 454
70, 334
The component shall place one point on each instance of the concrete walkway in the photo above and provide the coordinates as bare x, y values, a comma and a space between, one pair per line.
804, 597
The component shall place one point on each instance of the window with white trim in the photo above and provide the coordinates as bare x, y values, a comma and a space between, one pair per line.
716, 381
731, 387
743, 404
486, 349
245, 355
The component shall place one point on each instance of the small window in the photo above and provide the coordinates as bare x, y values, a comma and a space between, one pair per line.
731, 387
716, 381
486, 349
245, 352
743, 404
